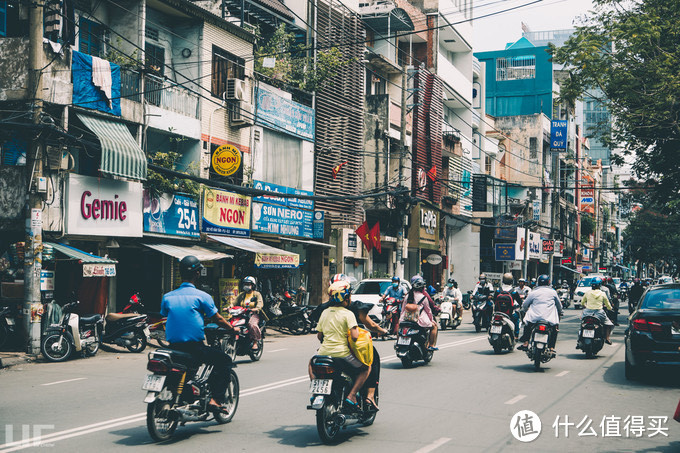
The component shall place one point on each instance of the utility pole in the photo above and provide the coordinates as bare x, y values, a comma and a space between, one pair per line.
33, 243
402, 154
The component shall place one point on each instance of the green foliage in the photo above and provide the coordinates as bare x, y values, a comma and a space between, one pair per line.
651, 236
294, 66
116, 56
630, 52
587, 227
159, 183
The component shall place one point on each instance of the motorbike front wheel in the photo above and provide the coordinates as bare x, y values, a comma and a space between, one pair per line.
326, 426
297, 325
232, 398
56, 347
159, 423
138, 343
4, 334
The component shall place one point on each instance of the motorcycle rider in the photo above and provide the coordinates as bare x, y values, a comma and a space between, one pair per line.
398, 292
185, 309
333, 325
542, 304
634, 294
484, 288
506, 287
251, 299
419, 296
522, 289
454, 293
532, 283
594, 302
613, 298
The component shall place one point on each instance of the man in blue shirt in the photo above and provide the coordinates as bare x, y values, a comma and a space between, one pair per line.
398, 292
186, 307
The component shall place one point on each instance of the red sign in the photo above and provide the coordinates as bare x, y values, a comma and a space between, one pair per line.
548, 246
566, 260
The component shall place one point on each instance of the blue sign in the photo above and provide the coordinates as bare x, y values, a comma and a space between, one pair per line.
505, 252
278, 113
272, 219
558, 135
319, 226
172, 215
289, 202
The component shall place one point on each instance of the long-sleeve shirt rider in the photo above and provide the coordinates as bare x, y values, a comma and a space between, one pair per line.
487, 289
243, 300
453, 293
595, 299
542, 304
424, 300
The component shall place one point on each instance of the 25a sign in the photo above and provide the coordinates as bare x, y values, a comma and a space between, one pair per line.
549, 246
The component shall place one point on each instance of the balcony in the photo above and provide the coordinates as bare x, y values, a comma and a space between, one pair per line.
457, 87
169, 96
476, 119
476, 67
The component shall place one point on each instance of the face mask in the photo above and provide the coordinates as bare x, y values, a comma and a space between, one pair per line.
450, 285
395, 285
247, 288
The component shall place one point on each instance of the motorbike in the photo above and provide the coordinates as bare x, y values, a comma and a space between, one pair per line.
481, 312
449, 316
502, 333
128, 330
390, 317
74, 333
538, 350
467, 300
287, 315
238, 341
590, 336
178, 392
411, 344
563, 294
7, 325
155, 321
329, 388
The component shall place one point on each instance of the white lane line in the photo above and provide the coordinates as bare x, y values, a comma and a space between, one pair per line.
74, 432
561, 374
68, 380
278, 350
433, 446
516, 399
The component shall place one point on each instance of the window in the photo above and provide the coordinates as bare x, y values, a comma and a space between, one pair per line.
533, 148
487, 164
516, 68
225, 66
154, 58
90, 37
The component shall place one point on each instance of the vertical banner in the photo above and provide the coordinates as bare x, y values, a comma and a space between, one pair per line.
558, 135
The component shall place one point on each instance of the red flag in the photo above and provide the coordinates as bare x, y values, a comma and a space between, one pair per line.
375, 237
432, 174
337, 168
364, 235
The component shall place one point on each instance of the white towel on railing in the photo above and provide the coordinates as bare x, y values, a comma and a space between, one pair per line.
101, 77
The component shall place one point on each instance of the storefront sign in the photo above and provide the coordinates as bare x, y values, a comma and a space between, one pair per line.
352, 242
506, 229
533, 245
277, 112
505, 252
559, 249
272, 219
226, 213
273, 261
297, 203
99, 270
424, 230
103, 207
226, 160
548, 246
228, 288
434, 259
46, 280
319, 224
536, 210
172, 215
566, 261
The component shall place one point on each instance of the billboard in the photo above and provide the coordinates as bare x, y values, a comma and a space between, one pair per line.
174, 215
278, 113
226, 213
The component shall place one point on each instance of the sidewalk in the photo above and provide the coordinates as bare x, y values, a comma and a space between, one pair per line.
8, 359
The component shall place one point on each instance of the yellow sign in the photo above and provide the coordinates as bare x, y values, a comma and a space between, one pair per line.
277, 261
226, 213
226, 160
228, 288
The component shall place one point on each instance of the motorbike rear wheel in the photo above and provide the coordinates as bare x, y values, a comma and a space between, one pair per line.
497, 348
55, 352
428, 356
537, 361
160, 425
407, 362
257, 355
369, 421
138, 342
442, 322
231, 403
325, 423
4, 334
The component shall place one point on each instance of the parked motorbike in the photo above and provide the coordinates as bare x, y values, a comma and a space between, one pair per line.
286, 315
449, 316
128, 330
7, 325
467, 300
590, 336
178, 392
74, 333
329, 389
238, 341
156, 324
411, 344
502, 333
481, 312
538, 350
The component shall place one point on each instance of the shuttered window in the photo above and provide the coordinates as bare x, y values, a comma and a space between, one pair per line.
90, 34
225, 66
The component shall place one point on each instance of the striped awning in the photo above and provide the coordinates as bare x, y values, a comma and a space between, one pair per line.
121, 155
77, 254
266, 256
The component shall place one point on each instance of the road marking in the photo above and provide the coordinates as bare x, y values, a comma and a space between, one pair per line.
277, 350
561, 374
68, 380
516, 399
80, 431
433, 446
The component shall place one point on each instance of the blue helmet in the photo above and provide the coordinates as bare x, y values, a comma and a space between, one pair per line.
543, 280
596, 282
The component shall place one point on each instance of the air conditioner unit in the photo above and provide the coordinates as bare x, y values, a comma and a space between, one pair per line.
57, 157
235, 89
241, 114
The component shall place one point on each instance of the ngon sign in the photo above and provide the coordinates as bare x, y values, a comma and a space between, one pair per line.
558, 135
428, 220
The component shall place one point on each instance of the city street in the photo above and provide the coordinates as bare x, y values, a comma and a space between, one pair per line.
464, 400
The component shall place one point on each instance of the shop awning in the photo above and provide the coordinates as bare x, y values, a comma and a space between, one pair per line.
266, 256
308, 242
202, 253
93, 265
569, 269
121, 155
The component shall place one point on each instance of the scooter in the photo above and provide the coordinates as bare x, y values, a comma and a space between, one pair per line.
155, 321
448, 317
563, 294
590, 336
73, 334
329, 388
126, 329
411, 344
538, 350
502, 333
481, 312
286, 315
238, 341
390, 316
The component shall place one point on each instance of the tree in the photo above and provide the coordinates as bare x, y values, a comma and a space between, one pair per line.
652, 236
630, 51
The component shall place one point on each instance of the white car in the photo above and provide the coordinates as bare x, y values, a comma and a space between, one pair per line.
370, 291
665, 279
582, 287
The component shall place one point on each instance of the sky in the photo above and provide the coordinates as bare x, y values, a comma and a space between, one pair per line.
493, 33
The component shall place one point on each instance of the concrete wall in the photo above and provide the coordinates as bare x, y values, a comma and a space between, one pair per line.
520, 129
13, 184
13, 71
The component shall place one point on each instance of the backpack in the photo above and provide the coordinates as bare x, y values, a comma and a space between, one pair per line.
504, 301
412, 310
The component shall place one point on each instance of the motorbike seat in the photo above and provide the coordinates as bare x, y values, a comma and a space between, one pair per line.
113, 317
91, 319
180, 357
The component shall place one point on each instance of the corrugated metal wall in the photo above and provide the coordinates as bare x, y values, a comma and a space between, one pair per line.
427, 133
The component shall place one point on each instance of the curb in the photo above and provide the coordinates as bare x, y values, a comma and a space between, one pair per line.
6, 362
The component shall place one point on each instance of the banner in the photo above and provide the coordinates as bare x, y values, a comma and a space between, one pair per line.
174, 215
278, 113
505, 252
272, 219
289, 202
228, 290
558, 135
226, 213
275, 261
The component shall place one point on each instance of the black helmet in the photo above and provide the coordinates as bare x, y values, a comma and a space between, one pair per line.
543, 280
417, 282
189, 265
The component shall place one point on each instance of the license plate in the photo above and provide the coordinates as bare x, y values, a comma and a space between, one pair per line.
444, 316
320, 386
153, 382
10, 321
403, 341
588, 333
496, 329
541, 338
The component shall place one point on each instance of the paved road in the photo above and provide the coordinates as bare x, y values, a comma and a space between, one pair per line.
463, 401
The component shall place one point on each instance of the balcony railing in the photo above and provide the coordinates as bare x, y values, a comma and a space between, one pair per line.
129, 85
169, 96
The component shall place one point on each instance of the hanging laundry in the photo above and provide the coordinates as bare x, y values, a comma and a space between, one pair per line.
101, 77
